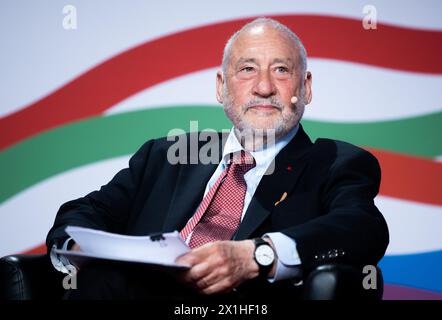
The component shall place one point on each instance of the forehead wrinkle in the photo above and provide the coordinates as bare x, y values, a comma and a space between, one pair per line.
264, 25
280, 37
244, 60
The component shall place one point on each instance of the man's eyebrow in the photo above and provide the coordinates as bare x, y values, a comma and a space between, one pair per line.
286, 61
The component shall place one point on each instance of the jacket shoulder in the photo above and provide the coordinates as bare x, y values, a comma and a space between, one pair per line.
339, 152
340, 148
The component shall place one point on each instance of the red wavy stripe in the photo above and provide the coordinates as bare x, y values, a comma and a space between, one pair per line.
410, 178
196, 49
36, 250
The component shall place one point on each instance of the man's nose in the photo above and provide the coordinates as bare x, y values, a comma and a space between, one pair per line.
264, 86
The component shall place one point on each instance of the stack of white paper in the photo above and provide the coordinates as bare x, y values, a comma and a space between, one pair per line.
160, 249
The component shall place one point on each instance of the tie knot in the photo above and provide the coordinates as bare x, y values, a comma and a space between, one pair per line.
243, 160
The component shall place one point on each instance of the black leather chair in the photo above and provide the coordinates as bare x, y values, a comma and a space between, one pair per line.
24, 277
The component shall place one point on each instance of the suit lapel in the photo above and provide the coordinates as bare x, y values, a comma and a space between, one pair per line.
189, 190
289, 165
188, 194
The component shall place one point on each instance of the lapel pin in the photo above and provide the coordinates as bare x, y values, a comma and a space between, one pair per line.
289, 167
284, 195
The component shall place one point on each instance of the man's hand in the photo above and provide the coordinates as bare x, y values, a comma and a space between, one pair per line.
219, 267
75, 247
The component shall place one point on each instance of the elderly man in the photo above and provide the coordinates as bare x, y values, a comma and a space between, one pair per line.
263, 216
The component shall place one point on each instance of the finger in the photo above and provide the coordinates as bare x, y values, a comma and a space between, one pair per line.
196, 272
202, 284
188, 259
196, 255
200, 270
211, 277
223, 286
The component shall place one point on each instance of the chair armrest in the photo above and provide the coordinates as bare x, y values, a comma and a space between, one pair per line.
337, 281
24, 277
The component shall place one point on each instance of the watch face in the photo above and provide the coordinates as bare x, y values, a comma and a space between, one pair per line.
264, 255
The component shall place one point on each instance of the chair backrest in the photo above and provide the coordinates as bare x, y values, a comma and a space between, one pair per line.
24, 277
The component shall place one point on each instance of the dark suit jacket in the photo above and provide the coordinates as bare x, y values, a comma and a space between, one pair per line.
329, 209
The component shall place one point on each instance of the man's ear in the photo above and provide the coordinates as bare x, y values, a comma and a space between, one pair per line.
308, 87
219, 86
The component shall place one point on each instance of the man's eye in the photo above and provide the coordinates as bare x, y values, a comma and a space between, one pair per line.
247, 69
282, 69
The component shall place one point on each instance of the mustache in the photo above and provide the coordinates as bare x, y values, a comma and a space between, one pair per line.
274, 102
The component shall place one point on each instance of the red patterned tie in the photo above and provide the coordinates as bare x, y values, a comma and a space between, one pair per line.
219, 214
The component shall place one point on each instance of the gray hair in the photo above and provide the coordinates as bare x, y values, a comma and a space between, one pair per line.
275, 24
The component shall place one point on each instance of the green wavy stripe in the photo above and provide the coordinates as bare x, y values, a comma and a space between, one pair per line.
419, 136
104, 137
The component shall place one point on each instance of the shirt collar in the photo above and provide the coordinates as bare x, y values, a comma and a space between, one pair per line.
263, 157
